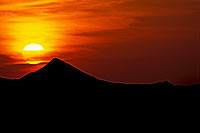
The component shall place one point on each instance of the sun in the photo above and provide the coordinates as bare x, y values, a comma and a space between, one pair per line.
33, 47
33, 53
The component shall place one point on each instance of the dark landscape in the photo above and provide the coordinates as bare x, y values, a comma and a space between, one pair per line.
61, 75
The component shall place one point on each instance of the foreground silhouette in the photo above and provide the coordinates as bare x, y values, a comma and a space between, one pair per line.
60, 74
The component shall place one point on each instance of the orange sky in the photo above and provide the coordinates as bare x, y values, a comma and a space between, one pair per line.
132, 41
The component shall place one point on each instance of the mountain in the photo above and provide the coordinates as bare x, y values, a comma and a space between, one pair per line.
59, 74
58, 70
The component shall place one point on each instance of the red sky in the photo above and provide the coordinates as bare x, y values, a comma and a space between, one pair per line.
132, 41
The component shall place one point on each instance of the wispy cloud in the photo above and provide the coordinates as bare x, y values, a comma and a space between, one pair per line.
4, 59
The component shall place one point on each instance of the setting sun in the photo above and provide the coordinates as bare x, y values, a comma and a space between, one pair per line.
33, 47
33, 53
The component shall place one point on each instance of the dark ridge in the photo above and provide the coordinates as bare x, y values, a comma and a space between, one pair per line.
59, 64
4, 79
58, 71
164, 83
57, 61
59, 74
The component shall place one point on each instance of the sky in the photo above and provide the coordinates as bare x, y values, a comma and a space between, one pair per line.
129, 41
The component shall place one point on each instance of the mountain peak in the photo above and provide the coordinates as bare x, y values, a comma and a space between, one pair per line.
56, 61
58, 70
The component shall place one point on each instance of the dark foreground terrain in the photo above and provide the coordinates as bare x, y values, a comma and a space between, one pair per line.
59, 74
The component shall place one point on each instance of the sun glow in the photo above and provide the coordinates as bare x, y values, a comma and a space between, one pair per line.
33, 53
33, 47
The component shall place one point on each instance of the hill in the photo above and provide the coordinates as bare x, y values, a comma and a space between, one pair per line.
59, 74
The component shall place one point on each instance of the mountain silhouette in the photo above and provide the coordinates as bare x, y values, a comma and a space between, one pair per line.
58, 73
57, 69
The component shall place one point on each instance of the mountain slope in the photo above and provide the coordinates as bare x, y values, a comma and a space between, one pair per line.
59, 74
59, 71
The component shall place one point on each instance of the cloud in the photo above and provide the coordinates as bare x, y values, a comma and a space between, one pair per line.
14, 2
149, 4
11, 68
58, 7
185, 21
70, 7
18, 70
4, 59
103, 33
